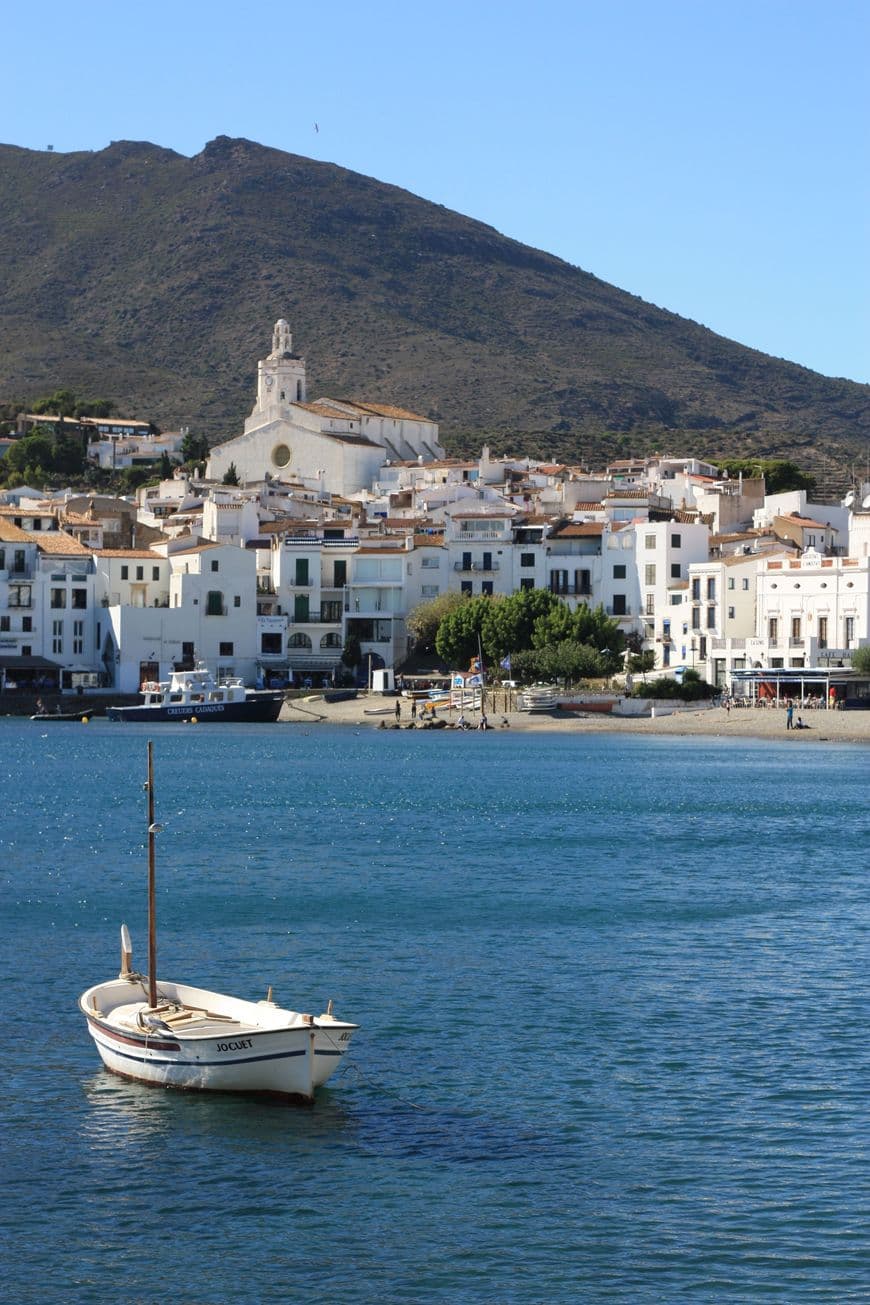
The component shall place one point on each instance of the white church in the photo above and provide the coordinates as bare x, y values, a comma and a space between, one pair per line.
337, 444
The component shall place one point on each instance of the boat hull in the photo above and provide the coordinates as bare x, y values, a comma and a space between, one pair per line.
259, 706
291, 1062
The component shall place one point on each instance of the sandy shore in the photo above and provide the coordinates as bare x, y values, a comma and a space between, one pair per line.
765, 722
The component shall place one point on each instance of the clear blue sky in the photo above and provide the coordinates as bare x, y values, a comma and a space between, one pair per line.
708, 155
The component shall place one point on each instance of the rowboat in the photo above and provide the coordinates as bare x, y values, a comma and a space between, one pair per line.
175, 1035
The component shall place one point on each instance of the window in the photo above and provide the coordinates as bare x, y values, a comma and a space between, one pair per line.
225, 650
429, 591
466, 587
140, 573
57, 636
5, 624
79, 598
299, 640
730, 613
331, 640
58, 598
795, 627
26, 624
301, 612
649, 573
270, 645
849, 630
650, 608
330, 610
696, 618
711, 589
214, 603
301, 575
426, 562
823, 632
527, 559
583, 582
155, 573
649, 541
676, 541
730, 582
620, 607
78, 637
772, 629
527, 583
125, 573
214, 564
237, 601
696, 590
711, 618
486, 587
744, 584
676, 571
619, 572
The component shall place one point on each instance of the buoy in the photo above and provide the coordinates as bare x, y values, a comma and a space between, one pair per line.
193, 720
85, 719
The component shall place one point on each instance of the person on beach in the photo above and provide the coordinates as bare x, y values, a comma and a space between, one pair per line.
789, 715
413, 709
398, 710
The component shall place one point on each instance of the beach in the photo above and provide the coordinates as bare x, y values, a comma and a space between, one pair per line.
823, 726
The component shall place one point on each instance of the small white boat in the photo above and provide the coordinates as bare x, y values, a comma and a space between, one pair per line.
175, 1035
542, 697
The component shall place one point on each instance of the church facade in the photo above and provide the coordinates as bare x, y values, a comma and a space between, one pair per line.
336, 444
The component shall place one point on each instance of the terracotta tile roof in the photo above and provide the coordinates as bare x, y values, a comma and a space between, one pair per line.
58, 543
579, 530
322, 408
385, 410
202, 547
145, 553
793, 518
12, 534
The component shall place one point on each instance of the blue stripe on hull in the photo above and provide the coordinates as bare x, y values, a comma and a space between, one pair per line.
198, 1064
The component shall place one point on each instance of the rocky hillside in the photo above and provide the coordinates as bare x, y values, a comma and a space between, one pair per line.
137, 274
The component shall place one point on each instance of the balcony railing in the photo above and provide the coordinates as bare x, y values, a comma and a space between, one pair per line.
795, 641
476, 566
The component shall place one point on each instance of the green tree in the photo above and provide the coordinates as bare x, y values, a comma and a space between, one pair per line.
194, 448
231, 476
780, 475
165, 466
351, 654
33, 450
424, 619
861, 660
641, 662
459, 634
509, 622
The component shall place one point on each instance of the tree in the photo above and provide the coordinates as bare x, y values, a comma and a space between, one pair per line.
861, 660
231, 476
424, 619
779, 474
194, 448
34, 450
641, 662
352, 652
165, 466
459, 634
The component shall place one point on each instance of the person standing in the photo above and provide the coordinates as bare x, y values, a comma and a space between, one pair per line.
413, 709
398, 710
789, 715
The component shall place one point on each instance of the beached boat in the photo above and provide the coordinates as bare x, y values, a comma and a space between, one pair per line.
197, 695
174, 1035
540, 698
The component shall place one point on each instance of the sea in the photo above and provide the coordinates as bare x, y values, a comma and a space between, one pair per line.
613, 997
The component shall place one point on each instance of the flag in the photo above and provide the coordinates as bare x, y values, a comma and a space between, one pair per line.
505, 663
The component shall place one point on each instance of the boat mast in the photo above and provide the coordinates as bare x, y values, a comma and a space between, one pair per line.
152, 895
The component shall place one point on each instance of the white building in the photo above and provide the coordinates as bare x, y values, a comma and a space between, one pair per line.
337, 443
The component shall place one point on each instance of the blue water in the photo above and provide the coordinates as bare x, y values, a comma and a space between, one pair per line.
614, 1004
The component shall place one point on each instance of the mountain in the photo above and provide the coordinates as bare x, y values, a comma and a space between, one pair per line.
137, 274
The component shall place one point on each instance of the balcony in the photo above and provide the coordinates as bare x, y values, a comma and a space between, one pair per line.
476, 566
571, 591
795, 641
